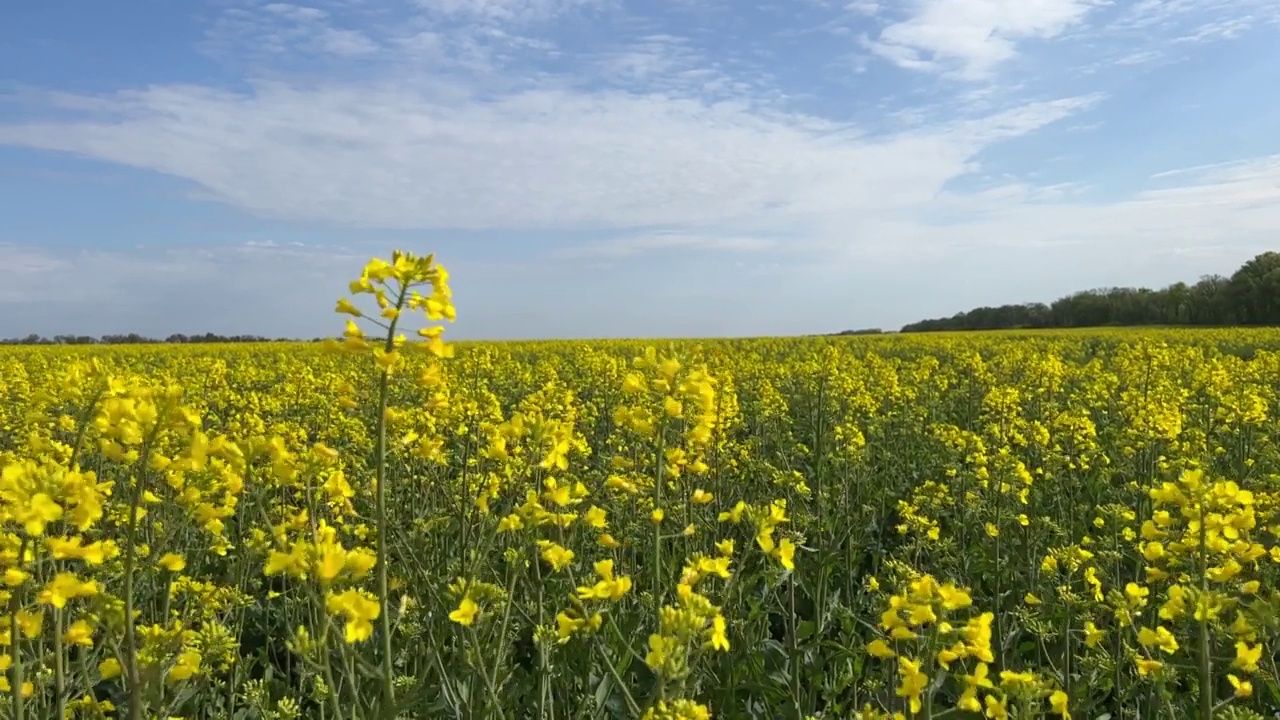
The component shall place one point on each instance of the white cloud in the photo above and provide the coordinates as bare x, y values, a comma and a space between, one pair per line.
284, 30
158, 289
520, 11
1147, 26
19, 261
1231, 209
1139, 58
400, 157
632, 246
348, 43
1155, 15
297, 13
1195, 170
654, 61
973, 37
1219, 29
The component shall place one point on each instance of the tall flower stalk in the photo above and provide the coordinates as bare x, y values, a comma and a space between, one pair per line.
395, 288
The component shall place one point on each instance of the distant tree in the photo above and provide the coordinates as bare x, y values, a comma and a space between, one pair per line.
1176, 304
74, 340
1210, 304
1254, 290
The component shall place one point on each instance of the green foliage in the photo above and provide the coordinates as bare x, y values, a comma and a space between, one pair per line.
1251, 296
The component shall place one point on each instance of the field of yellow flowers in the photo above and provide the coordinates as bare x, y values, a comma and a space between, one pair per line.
1015, 525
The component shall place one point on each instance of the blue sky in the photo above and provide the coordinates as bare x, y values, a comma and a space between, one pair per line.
621, 168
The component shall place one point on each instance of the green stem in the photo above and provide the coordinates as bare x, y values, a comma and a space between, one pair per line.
502, 632
17, 678
326, 668
632, 705
82, 427
1206, 662
657, 527
380, 492
794, 641
484, 673
59, 669
130, 563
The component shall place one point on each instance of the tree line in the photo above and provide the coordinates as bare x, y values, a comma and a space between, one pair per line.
136, 339
1250, 296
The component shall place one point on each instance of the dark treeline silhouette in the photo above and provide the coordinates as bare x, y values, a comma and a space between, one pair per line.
1251, 296
136, 339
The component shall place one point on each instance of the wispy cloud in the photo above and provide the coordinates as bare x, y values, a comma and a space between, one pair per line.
626, 247
399, 157
504, 11
277, 29
1225, 208
1171, 15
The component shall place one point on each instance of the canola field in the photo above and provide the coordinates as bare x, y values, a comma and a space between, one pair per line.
1016, 525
